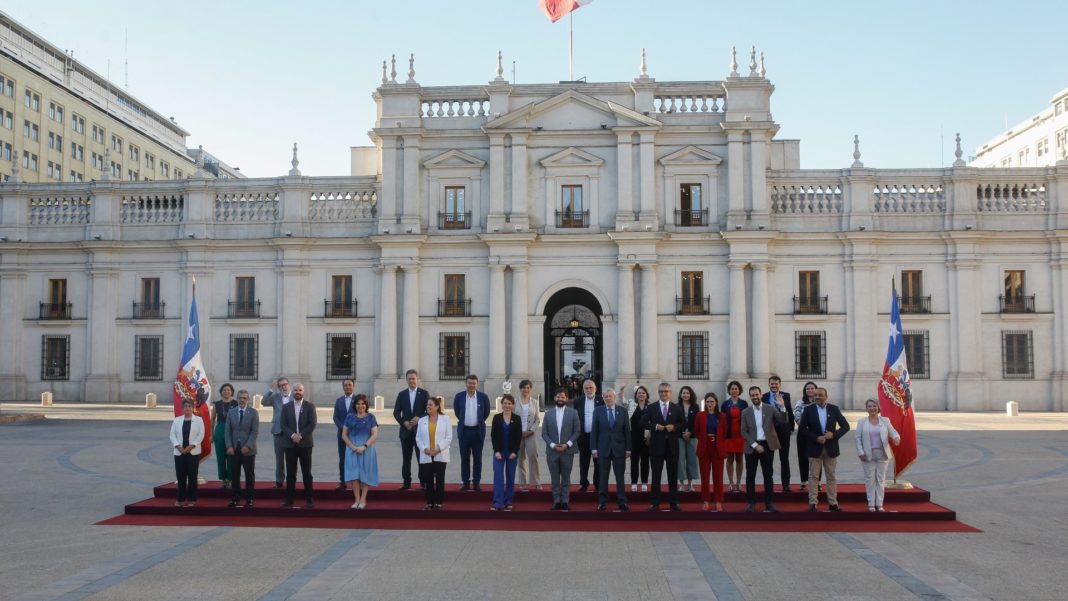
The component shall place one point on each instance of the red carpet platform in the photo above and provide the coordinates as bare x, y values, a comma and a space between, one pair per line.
907, 511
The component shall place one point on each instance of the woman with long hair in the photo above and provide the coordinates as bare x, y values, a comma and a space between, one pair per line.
639, 453
220, 409
708, 430
359, 433
808, 396
687, 440
733, 445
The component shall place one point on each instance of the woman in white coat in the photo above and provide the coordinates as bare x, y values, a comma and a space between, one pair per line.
433, 436
187, 432
873, 434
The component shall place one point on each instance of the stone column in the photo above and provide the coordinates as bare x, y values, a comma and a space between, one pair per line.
292, 320
496, 167
102, 377
647, 188
626, 322
387, 196
387, 323
1059, 377
738, 343
497, 333
625, 178
735, 178
650, 367
758, 178
518, 210
410, 339
761, 318
964, 381
519, 335
13, 310
410, 219
862, 295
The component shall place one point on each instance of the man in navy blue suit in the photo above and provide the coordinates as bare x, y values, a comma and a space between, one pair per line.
471, 408
822, 425
407, 409
342, 406
779, 402
610, 440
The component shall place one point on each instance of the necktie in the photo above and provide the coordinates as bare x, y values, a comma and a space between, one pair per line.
240, 415
663, 406
611, 418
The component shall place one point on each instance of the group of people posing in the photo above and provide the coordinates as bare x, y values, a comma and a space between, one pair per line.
694, 440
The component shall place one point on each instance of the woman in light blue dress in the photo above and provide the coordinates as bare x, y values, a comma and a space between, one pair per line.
359, 433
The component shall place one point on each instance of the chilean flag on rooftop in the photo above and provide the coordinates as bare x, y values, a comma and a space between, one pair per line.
895, 395
557, 9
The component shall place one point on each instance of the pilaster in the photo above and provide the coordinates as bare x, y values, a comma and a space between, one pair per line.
650, 366
738, 348
411, 342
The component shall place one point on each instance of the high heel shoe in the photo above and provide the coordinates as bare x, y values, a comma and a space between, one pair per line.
704, 507
719, 506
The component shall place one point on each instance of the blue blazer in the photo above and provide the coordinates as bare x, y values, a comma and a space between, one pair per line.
459, 408
340, 413
810, 430
610, 442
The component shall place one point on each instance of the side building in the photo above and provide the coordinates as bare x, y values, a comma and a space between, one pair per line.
1040, 141
632, 231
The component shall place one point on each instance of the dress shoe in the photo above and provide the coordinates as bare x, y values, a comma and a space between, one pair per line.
555, 507
287, 504
565, 507
340, 486
248, 503
786, 488
654, 507
233, 503
836, 508
602, 507
675, 507
478, 487
812, 507
405, 486
309, 503
624, 507
750, 508
277, 485
465, 488
771, 508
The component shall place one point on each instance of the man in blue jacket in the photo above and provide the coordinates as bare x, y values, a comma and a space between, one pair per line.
822, 426
471, 408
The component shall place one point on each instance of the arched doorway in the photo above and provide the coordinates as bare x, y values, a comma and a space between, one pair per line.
573, 341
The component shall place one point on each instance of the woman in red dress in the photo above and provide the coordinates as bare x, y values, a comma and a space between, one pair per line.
732, 445
709, 430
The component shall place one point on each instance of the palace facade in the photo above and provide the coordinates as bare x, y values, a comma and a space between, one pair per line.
634, 231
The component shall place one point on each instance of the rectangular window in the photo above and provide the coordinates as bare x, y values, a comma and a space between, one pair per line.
76, 176
1042, 147
693, 355
912, 299
29, 160
32, 100
177, 173
96, 161
97, 134
135, 153
244, 356
55, 141
917, 354
454, 361
455, 301
455, 216
6, 149
1017, 356
340, 356
116, 170
150, 161
148, 358
1014, 299
116, 143
55, 170
8, 119
341, 303
31, 131
151, 306
56, 307
77, 123
55, 357
164, 169
246, 305
572, 211
77, 152
811, 355
691, 208
7, 86
692, 301
808, 288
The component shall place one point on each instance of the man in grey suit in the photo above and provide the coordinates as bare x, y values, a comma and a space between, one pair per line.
610, 442
242, 428
298, 423
761, 441
276, 398
560, 431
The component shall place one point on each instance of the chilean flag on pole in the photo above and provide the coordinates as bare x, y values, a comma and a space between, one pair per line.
191, 383
557, 9
895, 396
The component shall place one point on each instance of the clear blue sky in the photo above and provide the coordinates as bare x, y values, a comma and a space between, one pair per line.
250, 78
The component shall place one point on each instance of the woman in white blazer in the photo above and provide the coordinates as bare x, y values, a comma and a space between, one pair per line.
187, 432
873, 434
433, 436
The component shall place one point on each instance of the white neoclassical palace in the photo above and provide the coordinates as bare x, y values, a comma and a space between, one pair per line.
633, 231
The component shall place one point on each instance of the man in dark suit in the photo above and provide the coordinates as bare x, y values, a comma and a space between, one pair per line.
407, 409
471, 408
585, 405
761, 442
298, 423
611, 442
665, 421
342, 406
242, 428
779, 401
822, 426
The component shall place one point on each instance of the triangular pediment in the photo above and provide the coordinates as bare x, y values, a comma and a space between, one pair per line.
691, 155
586, 111
453, 159
572, 157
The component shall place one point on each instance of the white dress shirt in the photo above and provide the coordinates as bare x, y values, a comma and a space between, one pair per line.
560, 425
758, 414
297, 406
524, 411
471, 415
411, 400
588, 410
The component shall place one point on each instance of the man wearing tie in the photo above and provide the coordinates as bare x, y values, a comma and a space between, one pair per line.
779, 401
822, 425
471, 408
585, 405
560, 431
664, 421
407, 409
277, 398
242, 428
342, 406
610, 439
298, 423
761, 442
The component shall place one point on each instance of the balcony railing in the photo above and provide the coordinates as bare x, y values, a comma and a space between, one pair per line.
339, 308
243, 309
693, 218
810, 305
454, 307
577, 219
55, 310
454, 221
149, 310
914, 304
692, 306
1017, 304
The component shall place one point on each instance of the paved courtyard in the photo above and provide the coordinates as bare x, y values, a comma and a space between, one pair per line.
1006, 476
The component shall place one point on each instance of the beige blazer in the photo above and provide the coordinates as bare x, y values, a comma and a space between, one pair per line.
533, 416
863, 436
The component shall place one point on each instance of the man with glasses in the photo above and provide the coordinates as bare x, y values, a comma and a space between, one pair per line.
664, 420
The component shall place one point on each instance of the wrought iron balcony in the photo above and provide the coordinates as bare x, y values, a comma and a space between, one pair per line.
339, 308
55, 310
914, 304
1017, 304
244, 309
149, 310
692, 306
454, 221
454, 307
691, 218
576, 219
810, 305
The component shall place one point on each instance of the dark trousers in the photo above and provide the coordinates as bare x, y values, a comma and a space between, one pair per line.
671, 458
238, 462
766, 461
341, 446
585, 455
304, 456
408, 451
802, 459
433, 475
471, 456
784, 458
639, 463
616, 464
186, 468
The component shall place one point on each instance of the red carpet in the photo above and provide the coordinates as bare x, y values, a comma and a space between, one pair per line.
907, 511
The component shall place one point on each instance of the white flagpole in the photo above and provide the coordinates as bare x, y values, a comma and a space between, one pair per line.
570, 44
